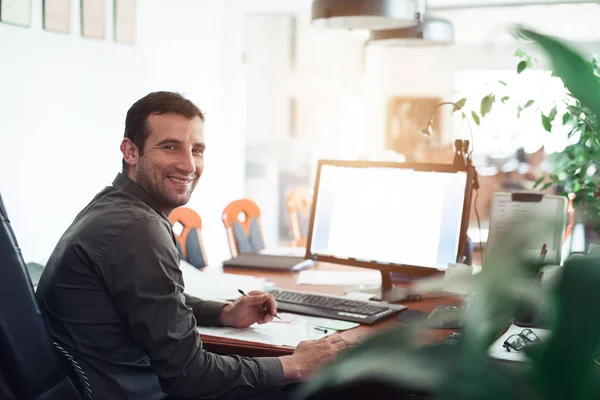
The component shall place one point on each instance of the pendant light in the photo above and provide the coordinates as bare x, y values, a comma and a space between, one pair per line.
431, 31
365, 14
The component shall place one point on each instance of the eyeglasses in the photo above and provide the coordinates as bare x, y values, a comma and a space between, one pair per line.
520, 341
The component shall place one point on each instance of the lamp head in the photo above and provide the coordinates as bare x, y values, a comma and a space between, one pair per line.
427, 130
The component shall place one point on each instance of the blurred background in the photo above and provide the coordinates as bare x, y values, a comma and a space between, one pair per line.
278, 94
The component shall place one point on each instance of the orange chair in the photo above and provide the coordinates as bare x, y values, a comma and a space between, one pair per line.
298, 203
190, 242
242, 223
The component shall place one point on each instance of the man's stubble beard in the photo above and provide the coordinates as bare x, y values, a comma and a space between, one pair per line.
152, 182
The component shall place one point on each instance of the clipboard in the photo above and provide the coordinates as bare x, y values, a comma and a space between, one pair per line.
508, 208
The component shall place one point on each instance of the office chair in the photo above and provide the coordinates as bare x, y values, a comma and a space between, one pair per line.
298, 204
242, 224
32, 366
190, 245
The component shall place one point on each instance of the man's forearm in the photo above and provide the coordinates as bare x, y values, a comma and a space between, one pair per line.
207, 313
214, 376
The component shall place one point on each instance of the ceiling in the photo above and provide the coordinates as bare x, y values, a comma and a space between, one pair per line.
481, 21
433, 4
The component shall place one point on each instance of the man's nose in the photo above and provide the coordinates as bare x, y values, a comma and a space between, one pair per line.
187, 162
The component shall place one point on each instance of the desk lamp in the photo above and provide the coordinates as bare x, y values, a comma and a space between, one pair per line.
463, 152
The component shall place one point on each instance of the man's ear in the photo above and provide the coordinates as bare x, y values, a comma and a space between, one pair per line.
131, 155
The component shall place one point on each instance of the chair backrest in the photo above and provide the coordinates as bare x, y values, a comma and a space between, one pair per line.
190, 239
29, 362
570, 217
298, 204
242, 224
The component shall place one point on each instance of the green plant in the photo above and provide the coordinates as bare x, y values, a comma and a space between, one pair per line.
575, 170
395, 364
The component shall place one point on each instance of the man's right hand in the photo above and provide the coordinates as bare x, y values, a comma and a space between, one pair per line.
310, 356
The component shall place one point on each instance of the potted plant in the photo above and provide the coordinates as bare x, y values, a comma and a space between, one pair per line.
395, 364
575, 172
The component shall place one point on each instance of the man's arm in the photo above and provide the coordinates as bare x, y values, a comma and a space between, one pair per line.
143, 276
207, 313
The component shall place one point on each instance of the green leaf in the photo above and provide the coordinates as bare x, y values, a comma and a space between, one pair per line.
529, 103
565, 118
521, 67
552, 114
503, 83
546, 123
546, 186
475, 117
460, 103
538, 182
520, 53
576, 73
486, 104
504, 99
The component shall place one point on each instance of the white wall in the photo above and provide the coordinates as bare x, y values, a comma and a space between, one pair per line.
63, 100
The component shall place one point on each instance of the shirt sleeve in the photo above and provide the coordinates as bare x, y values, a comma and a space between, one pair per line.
207, 313
147, 287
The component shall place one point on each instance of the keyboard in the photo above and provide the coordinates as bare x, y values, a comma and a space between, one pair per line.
334, 307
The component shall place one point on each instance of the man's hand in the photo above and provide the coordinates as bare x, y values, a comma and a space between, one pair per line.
311, 355
256, 307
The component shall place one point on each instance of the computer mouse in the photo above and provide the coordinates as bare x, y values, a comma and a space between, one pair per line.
445, 317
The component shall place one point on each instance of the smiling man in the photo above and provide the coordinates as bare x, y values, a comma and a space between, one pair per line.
112, 291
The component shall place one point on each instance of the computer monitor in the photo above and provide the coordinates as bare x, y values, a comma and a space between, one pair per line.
394, 217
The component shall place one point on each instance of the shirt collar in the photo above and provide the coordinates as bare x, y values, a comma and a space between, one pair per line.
128, 185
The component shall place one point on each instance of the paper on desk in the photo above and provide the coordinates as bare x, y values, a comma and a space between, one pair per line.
499, 352
285, 251
300, 329
343, 278
359, 295
214, 284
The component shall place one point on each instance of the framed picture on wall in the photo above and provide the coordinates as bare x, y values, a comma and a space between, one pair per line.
16, 12
57, 15
93, 18
124, 21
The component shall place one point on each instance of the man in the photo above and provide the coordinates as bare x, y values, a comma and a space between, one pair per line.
112, 291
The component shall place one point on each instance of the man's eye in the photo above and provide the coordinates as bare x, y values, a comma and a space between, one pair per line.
170, 147
198, 151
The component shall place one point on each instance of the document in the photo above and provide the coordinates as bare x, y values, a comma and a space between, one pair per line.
212, 283
342, 278
291, 334
498, 351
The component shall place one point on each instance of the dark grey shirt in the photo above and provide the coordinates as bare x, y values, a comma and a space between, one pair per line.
112, 293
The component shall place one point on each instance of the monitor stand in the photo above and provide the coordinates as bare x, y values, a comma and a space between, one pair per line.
386, 292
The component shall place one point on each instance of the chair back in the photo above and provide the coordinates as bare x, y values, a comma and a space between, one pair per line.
30, 365
242, 224
298, 204
190, 244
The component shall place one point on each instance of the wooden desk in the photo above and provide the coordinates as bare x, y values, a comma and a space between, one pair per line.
286, 280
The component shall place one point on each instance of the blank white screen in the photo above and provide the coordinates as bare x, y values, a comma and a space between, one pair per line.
389, 215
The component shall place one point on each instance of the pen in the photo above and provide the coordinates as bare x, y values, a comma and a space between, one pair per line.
264, 308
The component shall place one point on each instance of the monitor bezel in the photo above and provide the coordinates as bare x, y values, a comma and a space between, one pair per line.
409, 270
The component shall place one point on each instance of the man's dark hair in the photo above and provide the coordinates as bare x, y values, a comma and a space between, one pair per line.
136, 128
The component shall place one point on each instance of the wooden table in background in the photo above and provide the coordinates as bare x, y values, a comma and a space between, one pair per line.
287, 280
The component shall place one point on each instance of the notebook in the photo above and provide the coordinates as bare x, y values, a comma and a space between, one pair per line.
270, 262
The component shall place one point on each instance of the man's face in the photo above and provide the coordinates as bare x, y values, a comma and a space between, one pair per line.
173, 159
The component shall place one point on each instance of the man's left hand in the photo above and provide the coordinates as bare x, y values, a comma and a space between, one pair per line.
257, 307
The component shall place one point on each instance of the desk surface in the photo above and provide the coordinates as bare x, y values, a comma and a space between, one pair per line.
286, 280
